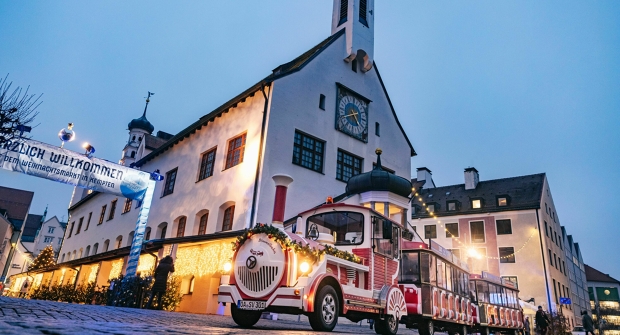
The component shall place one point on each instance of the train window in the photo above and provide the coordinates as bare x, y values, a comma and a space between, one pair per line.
410, 268
482, 289
346, 227
425, 267
441, 273
448, 277
472, 291
386, 246
433, 270
494, 295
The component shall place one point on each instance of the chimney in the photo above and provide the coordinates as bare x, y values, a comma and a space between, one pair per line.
471, 178
282, 181
425, 175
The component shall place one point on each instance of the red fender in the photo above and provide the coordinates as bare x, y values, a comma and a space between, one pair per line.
312, 292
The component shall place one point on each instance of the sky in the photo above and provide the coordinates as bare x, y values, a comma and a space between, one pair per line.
509, 87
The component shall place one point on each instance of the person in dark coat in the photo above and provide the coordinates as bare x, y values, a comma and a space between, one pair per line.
526, 326
542, 321
588, 324
161, 280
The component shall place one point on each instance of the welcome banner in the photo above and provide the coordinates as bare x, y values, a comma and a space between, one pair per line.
50, 162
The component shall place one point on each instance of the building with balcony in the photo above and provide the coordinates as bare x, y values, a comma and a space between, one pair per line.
604, 300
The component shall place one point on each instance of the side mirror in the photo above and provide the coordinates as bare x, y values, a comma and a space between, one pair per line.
387, 229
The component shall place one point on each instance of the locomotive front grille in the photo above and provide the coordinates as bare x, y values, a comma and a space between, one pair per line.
257, 281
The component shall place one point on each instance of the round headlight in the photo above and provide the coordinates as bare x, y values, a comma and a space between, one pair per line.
227, 267
304, 267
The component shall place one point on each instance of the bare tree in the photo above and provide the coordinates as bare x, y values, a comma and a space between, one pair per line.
17, 108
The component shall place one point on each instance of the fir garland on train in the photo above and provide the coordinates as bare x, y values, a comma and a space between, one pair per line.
303, 250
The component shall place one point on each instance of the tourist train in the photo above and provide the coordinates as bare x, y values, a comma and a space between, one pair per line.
354, 258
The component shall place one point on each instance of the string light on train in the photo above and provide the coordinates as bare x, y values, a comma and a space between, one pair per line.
468, 247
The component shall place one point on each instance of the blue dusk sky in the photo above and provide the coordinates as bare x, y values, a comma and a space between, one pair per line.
508, 87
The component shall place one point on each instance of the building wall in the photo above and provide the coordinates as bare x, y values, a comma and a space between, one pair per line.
605, 306
55, 236
295, 106
6, 232
190, 198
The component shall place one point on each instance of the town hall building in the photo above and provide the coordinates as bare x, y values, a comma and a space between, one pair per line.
318, 119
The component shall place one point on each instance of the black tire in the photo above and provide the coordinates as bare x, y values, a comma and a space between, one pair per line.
326, 310
485, 331
387, 326
379, 327
462, 330
245, 319
426, 327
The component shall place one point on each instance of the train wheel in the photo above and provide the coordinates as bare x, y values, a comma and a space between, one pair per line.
426, 327
326, 310
485, 331
387, 326
243, 318
463, 330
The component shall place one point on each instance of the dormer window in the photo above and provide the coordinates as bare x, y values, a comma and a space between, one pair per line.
503, 200
476, 203
431, 208
140, 139
452, 206
414, 210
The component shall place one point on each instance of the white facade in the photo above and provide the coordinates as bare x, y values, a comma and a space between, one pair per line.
296, 98
51, 233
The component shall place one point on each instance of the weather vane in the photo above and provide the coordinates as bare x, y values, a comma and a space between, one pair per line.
148, 99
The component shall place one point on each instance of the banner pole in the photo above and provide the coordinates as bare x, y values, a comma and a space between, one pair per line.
138, 237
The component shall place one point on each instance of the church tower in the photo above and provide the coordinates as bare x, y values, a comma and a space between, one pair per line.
357, 17
138, 129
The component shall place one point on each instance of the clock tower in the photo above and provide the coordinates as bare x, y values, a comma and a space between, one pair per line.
357, 17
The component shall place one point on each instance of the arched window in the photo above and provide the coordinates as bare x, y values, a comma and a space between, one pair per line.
87, 251
133, 154
81, 253
229, 214
181, 226
95, 247
161, 230
119, 242
63, 258
130, 238
133, 138
147, 234
140, 139
73, 255
106, 245
202, 226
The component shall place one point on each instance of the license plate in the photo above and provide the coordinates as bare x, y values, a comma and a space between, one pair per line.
251, 305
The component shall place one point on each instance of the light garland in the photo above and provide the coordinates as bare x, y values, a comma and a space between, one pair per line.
202, 260
433, 216
92, 276
146, 264
117, 267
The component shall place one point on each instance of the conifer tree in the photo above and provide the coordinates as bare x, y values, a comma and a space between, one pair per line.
44, 259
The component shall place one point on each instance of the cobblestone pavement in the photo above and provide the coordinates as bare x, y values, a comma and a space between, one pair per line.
23, 316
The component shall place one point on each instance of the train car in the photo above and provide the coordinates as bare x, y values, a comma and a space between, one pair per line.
435, 284
497, 305
441, 294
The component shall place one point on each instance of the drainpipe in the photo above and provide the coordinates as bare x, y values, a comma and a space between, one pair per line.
542, 251
260, 153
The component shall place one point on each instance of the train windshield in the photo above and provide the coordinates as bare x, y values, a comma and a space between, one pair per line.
410, 268
346, 227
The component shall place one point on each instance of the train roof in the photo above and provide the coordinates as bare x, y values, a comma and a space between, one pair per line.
491, 278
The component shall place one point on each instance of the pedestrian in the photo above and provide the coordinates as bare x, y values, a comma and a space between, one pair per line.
542, 321
24, 290
165, 266
526, 325
588, 324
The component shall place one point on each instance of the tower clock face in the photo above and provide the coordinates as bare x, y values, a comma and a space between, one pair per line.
352, 115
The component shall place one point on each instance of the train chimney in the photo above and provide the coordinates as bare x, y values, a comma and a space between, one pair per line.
282, 181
